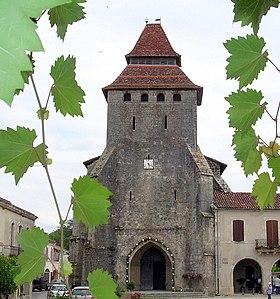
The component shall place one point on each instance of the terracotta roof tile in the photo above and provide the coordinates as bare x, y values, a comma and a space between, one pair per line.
153, 77
239, 200
153, 42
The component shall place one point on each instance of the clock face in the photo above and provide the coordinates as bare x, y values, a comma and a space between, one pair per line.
148, 164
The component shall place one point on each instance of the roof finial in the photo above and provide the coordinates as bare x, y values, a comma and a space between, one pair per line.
147, 20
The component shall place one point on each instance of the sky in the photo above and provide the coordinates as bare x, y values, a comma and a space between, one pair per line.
196, 30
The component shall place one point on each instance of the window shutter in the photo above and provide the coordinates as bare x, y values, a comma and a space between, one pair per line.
238, 230
272, 233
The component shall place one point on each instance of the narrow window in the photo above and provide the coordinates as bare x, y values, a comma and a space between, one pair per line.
165, 122
238, 230
175, 195
160, 97
127, 97
144, 97
133, 123
12, 234
272, 233
177, 97
130, 195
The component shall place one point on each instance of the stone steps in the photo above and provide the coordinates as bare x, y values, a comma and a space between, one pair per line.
166, 295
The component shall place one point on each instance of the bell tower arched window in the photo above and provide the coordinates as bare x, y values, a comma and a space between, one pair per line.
160, 97
144, 97
127, 97
177, 97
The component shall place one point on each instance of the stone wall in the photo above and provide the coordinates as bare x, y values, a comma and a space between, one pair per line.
168, 206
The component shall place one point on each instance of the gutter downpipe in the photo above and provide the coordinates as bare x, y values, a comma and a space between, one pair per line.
217, 252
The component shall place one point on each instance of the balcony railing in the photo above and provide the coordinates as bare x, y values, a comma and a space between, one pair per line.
262, 244
8, 250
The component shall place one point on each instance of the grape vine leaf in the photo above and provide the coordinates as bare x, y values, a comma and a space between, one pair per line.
43, 113
68, 95
17, 151
33, 258
67, 266
246, 59
246, 109
246, 151
102, 285
252, 11
274, 164
65, 15
90, 204
18, 35
271, 150
264, 190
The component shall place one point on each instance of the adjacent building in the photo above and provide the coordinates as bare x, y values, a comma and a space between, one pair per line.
175, 224
12, 221
247, 243
51, 270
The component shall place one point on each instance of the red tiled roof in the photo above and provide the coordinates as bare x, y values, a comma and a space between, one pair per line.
153, 42
153, 77
239, 200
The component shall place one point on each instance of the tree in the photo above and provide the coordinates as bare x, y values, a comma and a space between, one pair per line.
67, 233
19, 20
7, 275
248, 57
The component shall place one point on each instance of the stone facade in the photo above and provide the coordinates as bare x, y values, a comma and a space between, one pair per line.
175, 223
161, 230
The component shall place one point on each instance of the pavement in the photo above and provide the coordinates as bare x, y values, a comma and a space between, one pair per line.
43, 295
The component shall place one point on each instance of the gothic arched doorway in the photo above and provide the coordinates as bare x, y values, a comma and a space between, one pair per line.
150, 268
247, 276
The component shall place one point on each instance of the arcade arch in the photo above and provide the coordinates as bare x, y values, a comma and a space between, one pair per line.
247, 276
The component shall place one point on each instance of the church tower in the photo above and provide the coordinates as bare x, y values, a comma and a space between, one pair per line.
161, 229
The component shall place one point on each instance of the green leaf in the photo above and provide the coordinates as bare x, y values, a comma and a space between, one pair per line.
274, 164
68, 95
102, 285
246, 59
18, 35
252, 11
246, 151
246, 109
33, 258
90, 204
67, 266
17, 151
65, 15
43, 113
264, 190
272, 150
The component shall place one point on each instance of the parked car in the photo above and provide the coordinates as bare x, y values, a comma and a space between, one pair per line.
54, 281
37, 285
82, 292
57, 290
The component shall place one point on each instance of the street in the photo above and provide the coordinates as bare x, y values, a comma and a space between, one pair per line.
39, 295
43, 295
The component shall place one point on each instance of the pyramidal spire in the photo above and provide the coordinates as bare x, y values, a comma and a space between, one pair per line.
153, 64
153, 42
